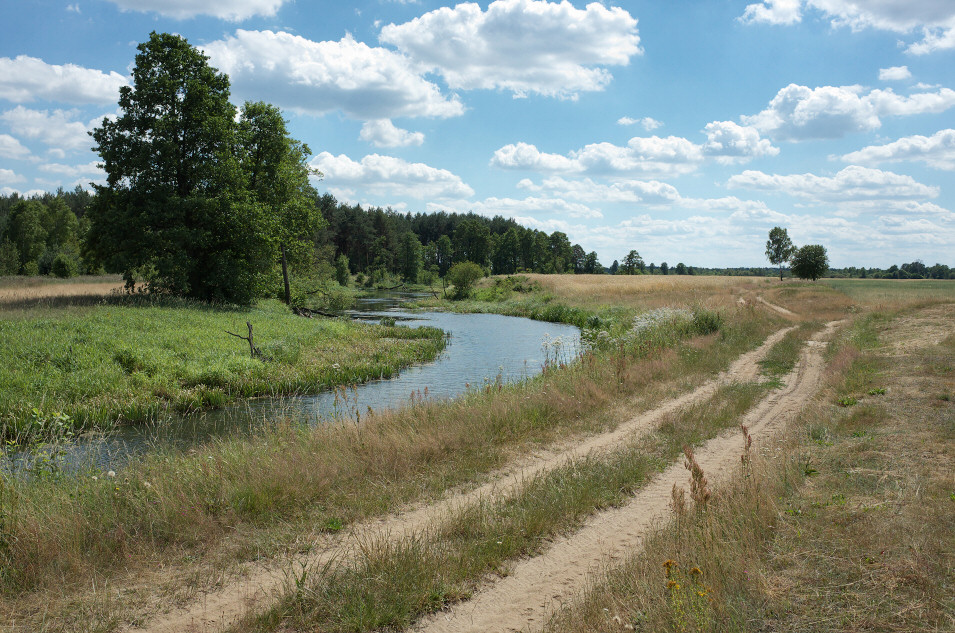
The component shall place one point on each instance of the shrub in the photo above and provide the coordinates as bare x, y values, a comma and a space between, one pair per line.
64, 266
463, 276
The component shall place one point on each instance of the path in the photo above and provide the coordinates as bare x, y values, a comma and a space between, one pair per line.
224, 607
536, 586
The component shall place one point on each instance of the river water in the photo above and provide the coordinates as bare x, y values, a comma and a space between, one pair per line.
482, 349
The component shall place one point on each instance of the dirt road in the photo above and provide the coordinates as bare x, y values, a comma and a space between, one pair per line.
262, 584
535, 586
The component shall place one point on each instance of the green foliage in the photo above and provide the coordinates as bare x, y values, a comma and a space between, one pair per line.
178, 210
409, 257
779, 248
341, 270
810, 262
632, 264
463, 276
64, 266
9, 258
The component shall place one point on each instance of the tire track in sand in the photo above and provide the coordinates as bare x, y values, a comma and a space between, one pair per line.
535, 587
261, 585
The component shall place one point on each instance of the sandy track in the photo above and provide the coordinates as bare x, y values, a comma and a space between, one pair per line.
224, 607
536, 586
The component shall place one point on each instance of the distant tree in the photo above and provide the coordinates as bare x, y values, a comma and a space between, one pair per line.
779, 248
561, 253
506, 253
614, 267
463, 276
664, 269
632, 263
578, 258
591, 264
409, 257
444, 251
342, 275
653, 268
810, 262
9, 258
472, 242
681, 268
25, 230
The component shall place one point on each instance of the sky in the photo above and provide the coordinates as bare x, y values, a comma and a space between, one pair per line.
684, 129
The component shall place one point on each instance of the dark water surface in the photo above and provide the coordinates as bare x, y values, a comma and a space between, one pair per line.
482, 348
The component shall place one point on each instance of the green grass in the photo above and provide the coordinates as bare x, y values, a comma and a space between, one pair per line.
133, 359
894, 291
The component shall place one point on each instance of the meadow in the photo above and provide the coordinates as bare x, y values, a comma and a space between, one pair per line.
201, 516
122, 359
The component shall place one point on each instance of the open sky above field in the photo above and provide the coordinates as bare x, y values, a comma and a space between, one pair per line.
684, 129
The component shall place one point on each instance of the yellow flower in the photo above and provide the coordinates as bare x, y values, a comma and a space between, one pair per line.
696, 571
673, 585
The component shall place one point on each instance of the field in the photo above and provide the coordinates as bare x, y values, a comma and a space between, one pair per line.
442, 515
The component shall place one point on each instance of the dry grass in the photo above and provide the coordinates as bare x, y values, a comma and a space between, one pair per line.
645, 292
23, 293
846, 526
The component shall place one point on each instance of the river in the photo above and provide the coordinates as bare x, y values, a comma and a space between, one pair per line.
482, 349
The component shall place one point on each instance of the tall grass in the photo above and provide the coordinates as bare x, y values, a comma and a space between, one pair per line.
866, 546
59, 531
394, 583
136, 357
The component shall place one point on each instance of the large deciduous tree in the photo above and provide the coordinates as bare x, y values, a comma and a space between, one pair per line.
810, 262
174, 208
277, 172
779, 248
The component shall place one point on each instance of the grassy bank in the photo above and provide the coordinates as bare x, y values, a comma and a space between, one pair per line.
240, 499
133, 358
847, 524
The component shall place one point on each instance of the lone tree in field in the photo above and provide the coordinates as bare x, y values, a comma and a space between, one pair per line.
779, 248
810, 262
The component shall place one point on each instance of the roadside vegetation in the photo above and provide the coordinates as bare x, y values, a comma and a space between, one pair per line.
240, 499
845, 524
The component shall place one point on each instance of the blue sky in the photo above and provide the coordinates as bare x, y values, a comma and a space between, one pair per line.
684, 129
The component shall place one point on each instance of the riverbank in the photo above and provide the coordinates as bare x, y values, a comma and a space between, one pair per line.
181, 529
133, 359
203, 514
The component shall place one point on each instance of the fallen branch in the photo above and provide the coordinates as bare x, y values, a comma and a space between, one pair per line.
256, 353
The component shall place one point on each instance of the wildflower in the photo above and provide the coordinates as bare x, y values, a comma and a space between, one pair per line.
701, 594
111, 474
95, 478
146, 484
335, 366
673, 585
696, 571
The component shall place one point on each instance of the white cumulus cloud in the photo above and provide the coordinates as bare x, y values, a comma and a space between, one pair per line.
852, 183
894, 73
773, 12
934, 20
318, 77
937, 151
523, 46
587, 190
25, 79
233, 10
386, 176
10, 177
800, 113
12, 148
730, 143
55, 128
383, 133
649, 123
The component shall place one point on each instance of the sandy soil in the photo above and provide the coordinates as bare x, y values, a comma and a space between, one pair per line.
261, 585
536, 586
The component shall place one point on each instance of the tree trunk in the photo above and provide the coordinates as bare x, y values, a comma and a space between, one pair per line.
288, 292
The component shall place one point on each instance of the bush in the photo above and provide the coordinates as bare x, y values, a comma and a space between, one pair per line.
64, 266
810, 262
463, 276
